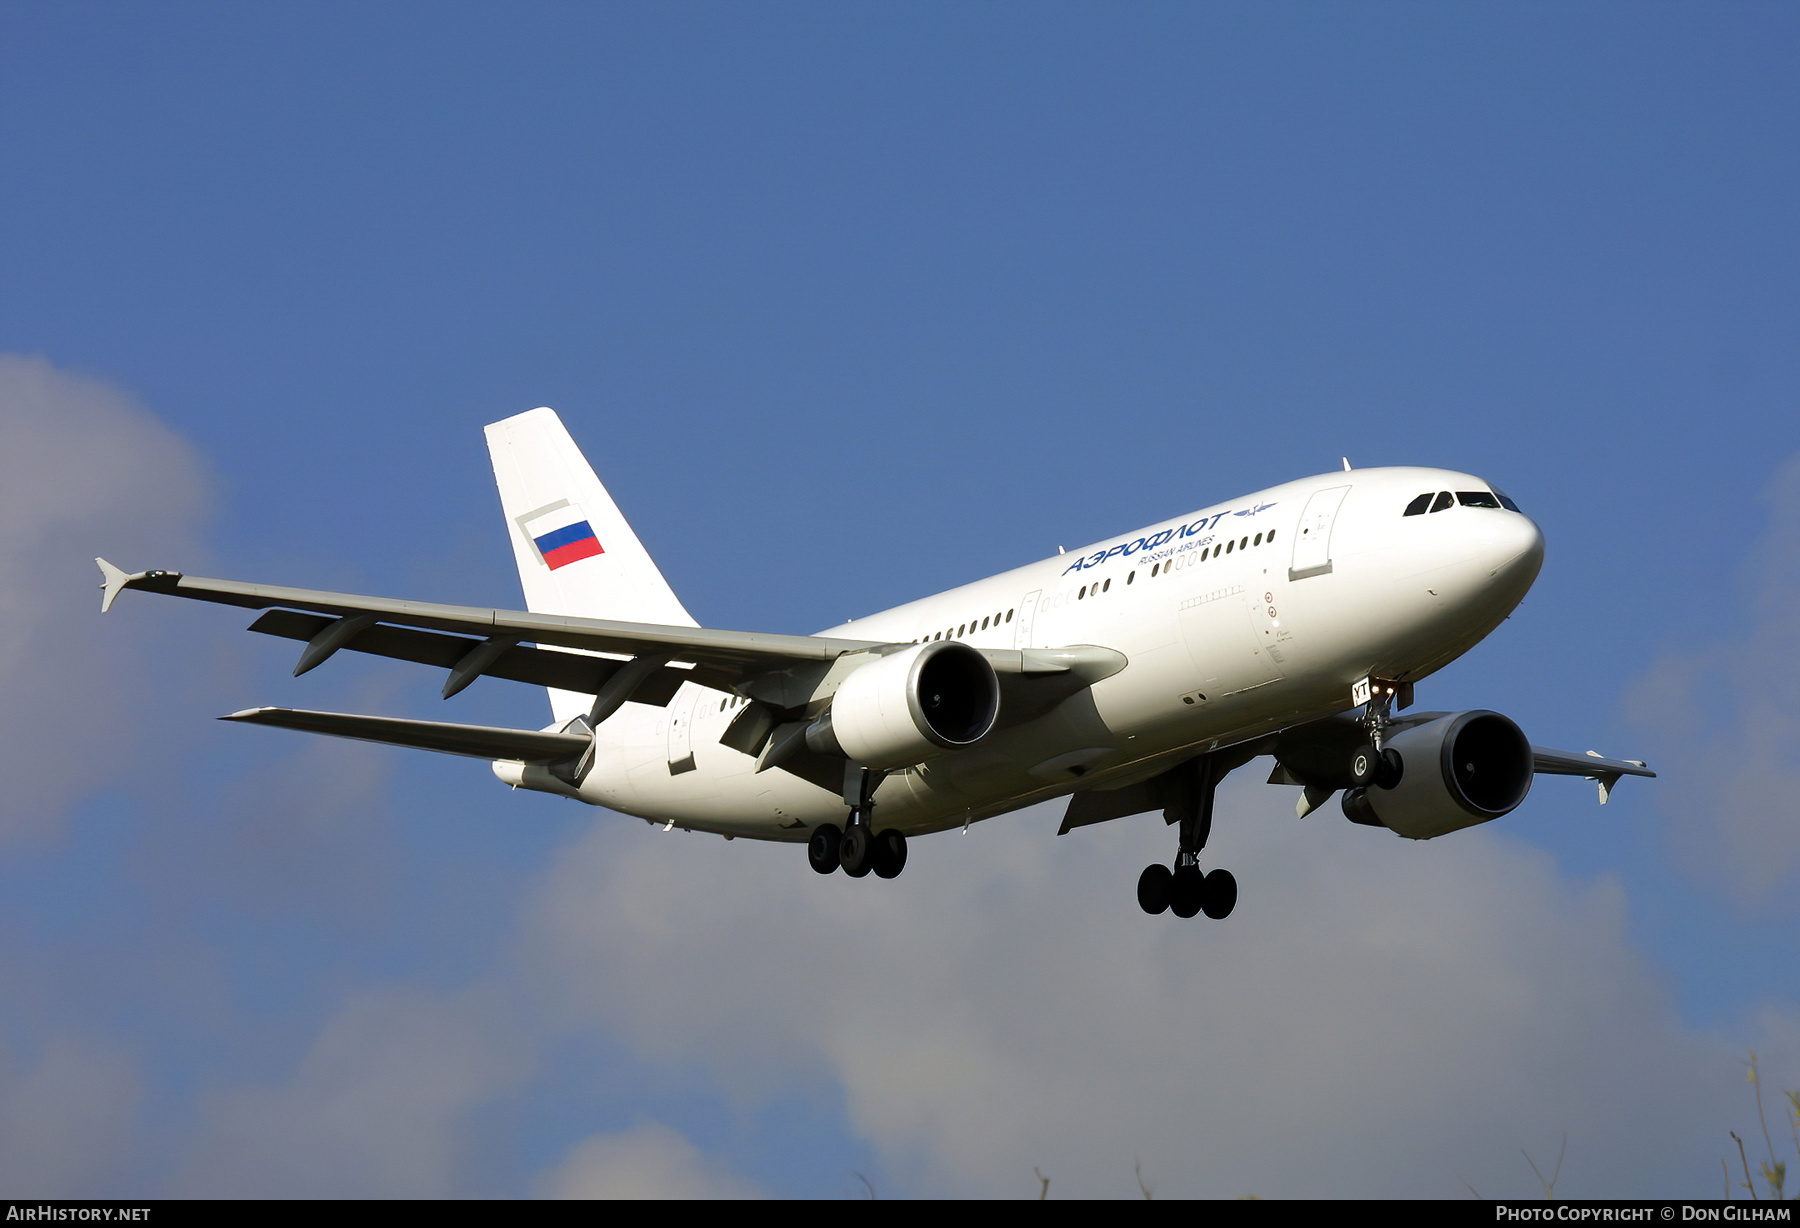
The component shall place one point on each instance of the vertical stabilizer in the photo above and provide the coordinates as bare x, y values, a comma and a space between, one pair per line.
576, 554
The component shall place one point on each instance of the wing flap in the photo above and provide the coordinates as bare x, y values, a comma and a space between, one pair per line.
546, 667
475, 741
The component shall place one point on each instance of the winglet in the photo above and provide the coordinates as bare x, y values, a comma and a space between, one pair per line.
113, 582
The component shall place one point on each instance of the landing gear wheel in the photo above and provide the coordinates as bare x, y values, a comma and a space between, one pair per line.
1221, 894
1153, 889
1364, 764
889, 853
855, 851
1187, 891
1389, 768
822, 848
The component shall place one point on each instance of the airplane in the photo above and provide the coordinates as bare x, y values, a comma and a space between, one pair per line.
1128, 677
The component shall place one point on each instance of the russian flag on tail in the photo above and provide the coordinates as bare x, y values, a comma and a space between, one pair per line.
568, 545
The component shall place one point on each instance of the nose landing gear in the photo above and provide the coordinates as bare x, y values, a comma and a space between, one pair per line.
1369, 766
1185, 890
1374, 764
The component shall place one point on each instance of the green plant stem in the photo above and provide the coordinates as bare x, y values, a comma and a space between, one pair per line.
1756, 1082
1746, 1163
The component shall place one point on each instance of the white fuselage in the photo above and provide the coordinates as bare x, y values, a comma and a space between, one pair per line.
1223, 646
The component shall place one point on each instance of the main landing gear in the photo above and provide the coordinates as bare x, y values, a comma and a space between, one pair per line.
1184, 890
858, 847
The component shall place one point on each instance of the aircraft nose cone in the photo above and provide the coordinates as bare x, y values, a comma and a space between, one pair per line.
1513, 547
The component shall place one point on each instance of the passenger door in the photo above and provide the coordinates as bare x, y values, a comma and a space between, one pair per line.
1312, 540
1027, 612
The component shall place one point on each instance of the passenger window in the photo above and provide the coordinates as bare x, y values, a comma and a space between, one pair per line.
1271, 534
1228, 546
1444, 500
1243, 543
1417, 506
1107, 587
1130, 576
1009, 615
1258, 540
1477, 498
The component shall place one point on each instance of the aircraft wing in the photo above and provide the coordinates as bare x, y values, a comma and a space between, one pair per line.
471, 641
645, 663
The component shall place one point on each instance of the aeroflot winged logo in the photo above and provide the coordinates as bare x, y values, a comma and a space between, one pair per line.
1156, 541
569, 544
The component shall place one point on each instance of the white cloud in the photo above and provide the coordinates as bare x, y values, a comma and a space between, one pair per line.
66, 1119
650, 1161
382, 1106
1726, 720
83, 471
1378, 1018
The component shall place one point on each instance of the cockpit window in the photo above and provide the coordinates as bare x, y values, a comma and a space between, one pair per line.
1506, 503
1417, 506
1444, 500
1477, 498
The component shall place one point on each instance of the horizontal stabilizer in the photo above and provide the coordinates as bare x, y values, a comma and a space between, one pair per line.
1593, 766
1549, 762
476, 741
112, 582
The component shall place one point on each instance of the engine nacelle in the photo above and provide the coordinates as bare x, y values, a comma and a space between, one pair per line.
909, 706
1459, 770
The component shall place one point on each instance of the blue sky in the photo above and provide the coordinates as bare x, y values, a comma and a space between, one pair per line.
847, 304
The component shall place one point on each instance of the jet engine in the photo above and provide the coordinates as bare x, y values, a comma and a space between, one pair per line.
1458, 770
909, 706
